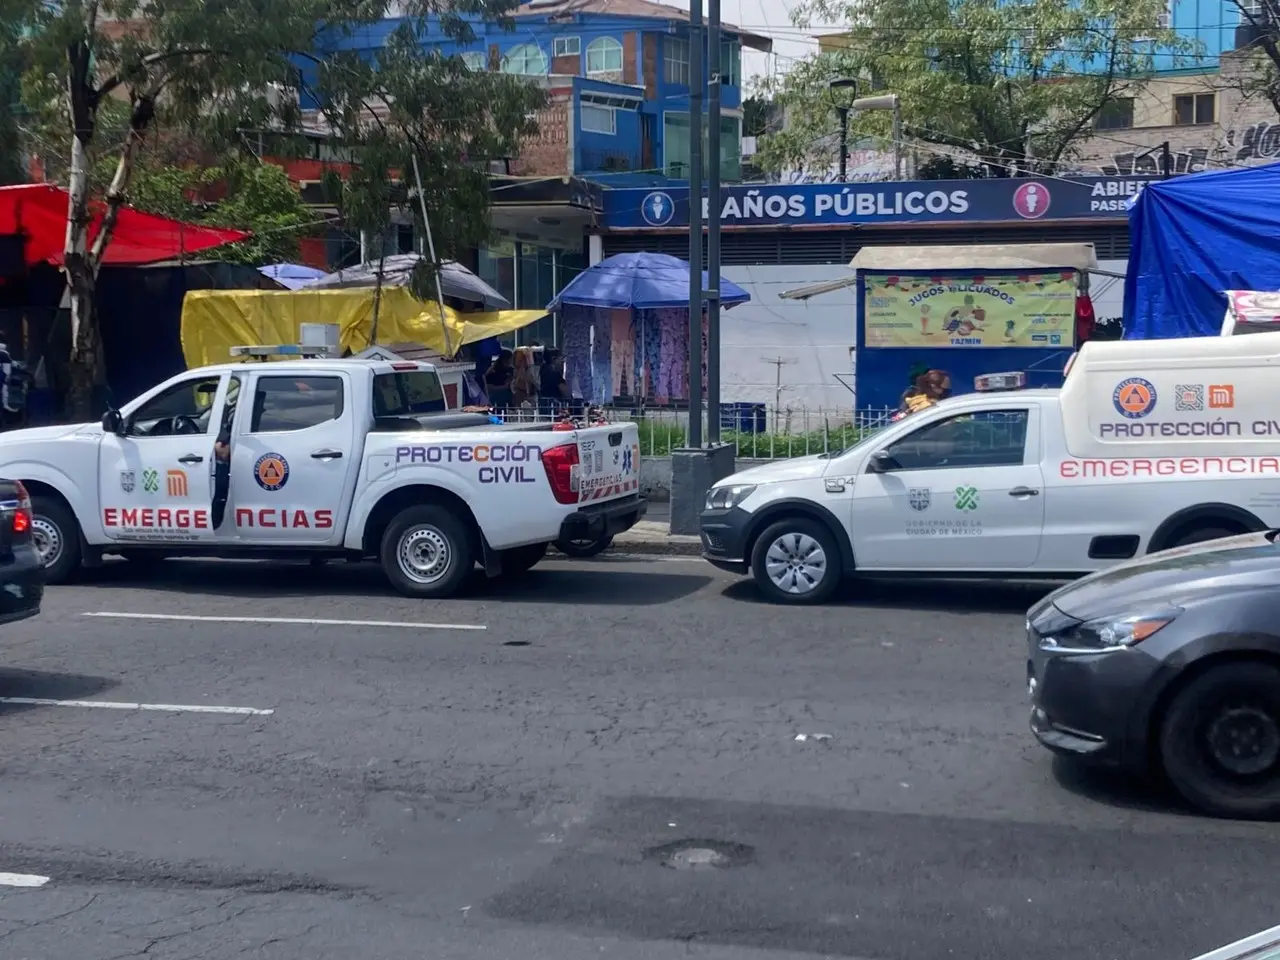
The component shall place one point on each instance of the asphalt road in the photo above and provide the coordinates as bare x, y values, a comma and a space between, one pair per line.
518, 791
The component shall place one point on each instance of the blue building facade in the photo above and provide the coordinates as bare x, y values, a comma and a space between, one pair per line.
617, 75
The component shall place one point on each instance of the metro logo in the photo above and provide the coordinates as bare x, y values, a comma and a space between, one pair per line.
272, 518
155, 518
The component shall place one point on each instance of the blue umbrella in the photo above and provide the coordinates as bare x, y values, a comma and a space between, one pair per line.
644, 281
291, 276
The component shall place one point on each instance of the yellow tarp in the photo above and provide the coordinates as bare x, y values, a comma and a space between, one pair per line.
214, 321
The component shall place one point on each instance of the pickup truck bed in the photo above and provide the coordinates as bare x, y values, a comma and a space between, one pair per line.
440, 422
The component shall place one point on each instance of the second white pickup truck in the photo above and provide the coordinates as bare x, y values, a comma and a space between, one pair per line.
326, 458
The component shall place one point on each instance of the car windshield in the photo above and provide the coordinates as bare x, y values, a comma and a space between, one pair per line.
868, 433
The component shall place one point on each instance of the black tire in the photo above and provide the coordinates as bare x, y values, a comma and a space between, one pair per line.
445, 551
519, 560
1186, 538
803, 534
54, 528
583, 549
1201, 714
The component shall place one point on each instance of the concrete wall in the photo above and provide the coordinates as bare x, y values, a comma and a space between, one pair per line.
800, 343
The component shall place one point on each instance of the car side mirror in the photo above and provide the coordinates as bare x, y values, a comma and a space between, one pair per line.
113, 422
882, 462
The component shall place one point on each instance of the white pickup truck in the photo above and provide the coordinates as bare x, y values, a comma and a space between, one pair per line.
1148, 445
327, 458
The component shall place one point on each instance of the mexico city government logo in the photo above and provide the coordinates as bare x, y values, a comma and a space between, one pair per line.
657, 209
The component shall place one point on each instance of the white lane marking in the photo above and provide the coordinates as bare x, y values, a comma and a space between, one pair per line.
304, 621
160, 707
22, 880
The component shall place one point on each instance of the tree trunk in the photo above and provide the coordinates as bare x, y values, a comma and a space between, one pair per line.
81, 277
83, 263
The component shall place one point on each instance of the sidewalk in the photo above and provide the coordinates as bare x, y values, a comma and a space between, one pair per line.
652, 535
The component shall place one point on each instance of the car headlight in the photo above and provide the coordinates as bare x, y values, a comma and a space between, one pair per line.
1110, 633
728, 496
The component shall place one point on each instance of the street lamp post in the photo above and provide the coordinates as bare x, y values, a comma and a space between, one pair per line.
888, 101
844, 83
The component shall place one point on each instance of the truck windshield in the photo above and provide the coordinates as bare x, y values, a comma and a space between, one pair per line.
408, 393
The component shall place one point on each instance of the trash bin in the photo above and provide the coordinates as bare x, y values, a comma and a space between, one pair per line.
743, 417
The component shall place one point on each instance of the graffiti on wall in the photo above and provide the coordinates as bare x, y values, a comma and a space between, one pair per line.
1259, 142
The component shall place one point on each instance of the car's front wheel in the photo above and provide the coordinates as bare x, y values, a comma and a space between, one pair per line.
1220, 741
56, 536
796, 561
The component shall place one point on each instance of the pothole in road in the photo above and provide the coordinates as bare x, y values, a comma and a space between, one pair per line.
700, 855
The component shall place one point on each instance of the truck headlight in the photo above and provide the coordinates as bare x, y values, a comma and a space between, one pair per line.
728, 496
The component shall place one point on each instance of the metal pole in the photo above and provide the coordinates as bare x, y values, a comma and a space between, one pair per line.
1166, 161
696, 81
897, 139
713, 222
431, 249
844, 143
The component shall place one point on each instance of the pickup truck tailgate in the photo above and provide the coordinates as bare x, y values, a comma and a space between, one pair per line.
608, 462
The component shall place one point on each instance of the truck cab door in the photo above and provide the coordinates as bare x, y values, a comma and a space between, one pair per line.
963, 492
294, 458
154, 479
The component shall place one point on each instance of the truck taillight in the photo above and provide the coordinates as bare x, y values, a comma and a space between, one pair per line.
22, 515
561, 464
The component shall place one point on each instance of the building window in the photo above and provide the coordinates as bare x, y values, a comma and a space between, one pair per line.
1193, 108
604, 55
475, 60
598, 119
731, 63
527, 60
567, 47
675, 68
730, 148
675, 146
1116, 115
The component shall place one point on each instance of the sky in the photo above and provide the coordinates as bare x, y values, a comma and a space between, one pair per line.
770, 18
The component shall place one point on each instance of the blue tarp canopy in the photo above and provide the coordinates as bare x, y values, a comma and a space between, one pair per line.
1192, 238
645, 281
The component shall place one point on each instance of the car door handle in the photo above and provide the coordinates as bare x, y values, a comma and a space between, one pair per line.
191, 458
327, 455
1023, 492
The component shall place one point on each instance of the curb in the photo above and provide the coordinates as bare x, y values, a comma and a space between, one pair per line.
668, 548
648, 548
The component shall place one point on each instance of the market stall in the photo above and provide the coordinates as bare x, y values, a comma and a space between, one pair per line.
965, 311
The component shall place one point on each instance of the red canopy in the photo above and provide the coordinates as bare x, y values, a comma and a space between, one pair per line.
38, 211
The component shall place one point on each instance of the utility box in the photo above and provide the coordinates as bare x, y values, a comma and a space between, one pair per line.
320, 337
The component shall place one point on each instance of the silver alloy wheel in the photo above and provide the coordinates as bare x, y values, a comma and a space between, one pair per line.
47, 538
796, 563
424, 555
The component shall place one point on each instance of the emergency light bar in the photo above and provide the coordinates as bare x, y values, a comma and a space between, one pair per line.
266, 352
991, 382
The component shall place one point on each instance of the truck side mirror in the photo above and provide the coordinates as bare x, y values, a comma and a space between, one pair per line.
882, 462
113, 422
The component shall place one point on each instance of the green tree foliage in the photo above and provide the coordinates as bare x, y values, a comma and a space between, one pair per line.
11, 69
248, 195
219, 68
1010, 86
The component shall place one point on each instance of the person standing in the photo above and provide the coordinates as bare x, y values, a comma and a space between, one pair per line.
497, 381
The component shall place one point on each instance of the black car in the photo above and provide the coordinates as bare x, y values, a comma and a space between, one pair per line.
21, 571
1169, 664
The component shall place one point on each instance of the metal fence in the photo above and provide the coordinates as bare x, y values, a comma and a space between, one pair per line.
759, 432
